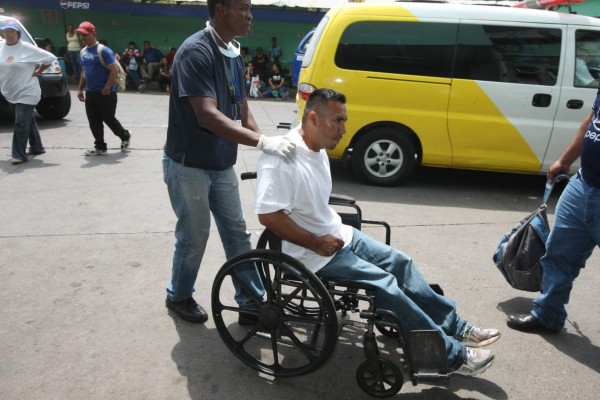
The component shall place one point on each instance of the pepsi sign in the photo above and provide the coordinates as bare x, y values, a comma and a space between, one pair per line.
78, 5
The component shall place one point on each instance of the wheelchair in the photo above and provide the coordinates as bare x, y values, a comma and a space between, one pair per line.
301, 316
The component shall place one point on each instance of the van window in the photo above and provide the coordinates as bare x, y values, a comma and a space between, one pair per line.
587, 59
414, 48
508, 54
310, 49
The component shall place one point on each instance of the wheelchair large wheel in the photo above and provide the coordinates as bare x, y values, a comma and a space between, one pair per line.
383, 380
295, 329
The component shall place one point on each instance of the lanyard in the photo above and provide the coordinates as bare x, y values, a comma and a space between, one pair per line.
232, 83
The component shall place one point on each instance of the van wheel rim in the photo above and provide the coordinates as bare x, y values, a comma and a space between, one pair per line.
383, 158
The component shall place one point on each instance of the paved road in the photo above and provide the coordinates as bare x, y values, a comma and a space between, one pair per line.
86, 245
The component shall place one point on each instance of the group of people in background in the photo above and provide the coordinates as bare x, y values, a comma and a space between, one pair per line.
263, 74
141, 66
147, 65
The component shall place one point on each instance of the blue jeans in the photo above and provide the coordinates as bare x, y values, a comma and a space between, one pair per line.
134, 75
268, 92
399, 287
194, 194
75, 58
575, 233
163, 82
25, 129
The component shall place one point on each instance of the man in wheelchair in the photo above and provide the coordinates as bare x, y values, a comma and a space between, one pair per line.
292, 202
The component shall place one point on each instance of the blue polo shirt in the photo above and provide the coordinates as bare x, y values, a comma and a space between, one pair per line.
96, 74
200, 70
153, 55
590, 148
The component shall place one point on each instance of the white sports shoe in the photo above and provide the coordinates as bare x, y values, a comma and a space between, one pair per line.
478, 361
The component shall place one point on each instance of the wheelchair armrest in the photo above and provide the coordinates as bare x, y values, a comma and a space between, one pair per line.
388, 229
341, 200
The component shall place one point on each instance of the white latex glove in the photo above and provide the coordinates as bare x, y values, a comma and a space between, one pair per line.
279, 146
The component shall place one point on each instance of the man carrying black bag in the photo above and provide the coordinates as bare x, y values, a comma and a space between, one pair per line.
519, 252
575, 233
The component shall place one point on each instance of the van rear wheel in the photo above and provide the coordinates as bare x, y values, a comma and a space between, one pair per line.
384, 157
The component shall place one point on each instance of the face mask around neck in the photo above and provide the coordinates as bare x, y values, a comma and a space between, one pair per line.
233, 47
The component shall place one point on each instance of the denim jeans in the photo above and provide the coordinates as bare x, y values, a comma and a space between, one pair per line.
269, 90
399, 287
25, 129
101, 110
163, 82
575, 233
134, 76
75, 58
194, 194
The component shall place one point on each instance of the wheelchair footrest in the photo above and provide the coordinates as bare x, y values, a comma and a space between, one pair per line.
427, 355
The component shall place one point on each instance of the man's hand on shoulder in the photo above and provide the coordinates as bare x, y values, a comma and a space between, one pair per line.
280, 146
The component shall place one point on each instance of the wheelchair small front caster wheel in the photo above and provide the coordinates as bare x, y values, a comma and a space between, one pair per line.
388, 331
384, 380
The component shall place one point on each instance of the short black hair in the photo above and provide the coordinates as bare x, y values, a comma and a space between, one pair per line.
212, 4
320, 98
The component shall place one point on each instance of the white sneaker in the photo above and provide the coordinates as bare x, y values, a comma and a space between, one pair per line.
125, 143
474, 336
478, 361
95, 152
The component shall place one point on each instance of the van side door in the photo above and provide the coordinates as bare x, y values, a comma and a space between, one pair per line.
397, 74
504, 95
580, 79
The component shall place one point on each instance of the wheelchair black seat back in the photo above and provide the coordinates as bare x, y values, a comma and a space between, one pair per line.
293, 329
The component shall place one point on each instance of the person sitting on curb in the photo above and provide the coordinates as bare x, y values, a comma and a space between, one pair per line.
276, 86
292, 202
131, 65
164, 75
150, 61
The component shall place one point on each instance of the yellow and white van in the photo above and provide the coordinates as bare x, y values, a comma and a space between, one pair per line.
457, 86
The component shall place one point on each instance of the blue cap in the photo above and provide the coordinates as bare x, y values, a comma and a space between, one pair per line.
10, 24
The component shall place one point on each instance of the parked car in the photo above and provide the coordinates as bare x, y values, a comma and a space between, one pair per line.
56, 98
299, 55
454, 86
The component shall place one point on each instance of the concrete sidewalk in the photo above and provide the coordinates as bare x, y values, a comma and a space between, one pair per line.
86, 247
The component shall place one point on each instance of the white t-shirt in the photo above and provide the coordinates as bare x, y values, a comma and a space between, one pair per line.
301, 189
583, 77
17, 64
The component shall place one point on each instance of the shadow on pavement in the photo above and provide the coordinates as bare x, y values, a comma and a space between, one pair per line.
577, 346
8, 168
112, 157
201, 363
